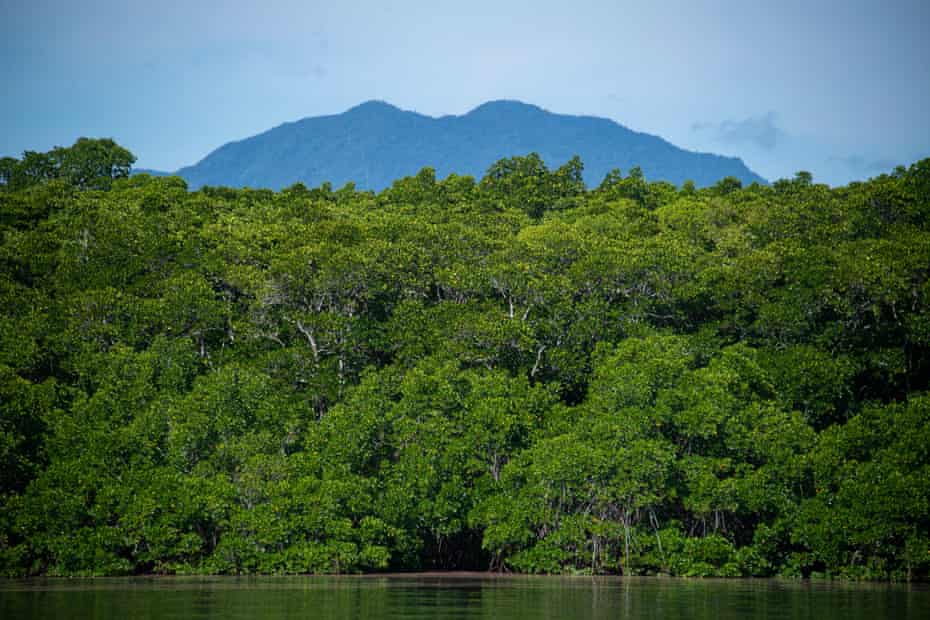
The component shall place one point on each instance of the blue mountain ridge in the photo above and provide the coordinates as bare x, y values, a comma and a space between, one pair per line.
375, 143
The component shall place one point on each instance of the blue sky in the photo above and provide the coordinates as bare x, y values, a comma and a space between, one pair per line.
839, 88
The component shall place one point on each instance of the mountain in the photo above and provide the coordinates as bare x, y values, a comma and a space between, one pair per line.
375, 143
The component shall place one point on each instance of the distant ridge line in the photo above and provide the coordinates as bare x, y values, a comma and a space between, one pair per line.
375, 142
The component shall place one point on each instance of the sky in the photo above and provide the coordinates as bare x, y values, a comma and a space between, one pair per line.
840, 88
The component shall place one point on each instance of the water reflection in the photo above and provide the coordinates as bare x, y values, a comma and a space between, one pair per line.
458, 596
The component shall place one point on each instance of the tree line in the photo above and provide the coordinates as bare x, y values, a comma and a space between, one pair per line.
515, 373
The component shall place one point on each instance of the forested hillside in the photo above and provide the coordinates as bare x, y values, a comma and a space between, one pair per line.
516, 373
375, 143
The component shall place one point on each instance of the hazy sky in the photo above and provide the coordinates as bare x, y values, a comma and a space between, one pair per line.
837, 87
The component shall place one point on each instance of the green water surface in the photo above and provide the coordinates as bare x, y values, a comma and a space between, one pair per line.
457, 596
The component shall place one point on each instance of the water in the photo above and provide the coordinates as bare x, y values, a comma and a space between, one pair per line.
457, 596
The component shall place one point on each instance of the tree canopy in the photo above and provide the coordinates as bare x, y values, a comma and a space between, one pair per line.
515, 373
87, 164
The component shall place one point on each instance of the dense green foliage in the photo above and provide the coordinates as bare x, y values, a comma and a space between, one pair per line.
517, 373
87, 164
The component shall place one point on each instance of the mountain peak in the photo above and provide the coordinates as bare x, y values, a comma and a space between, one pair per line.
373, 106
505, 107
375, 143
